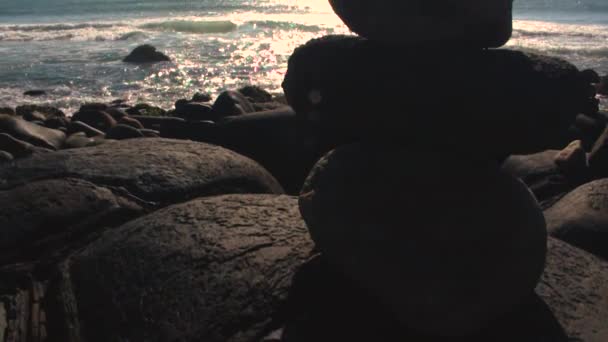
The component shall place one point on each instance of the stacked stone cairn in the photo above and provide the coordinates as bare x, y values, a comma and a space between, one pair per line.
417, 114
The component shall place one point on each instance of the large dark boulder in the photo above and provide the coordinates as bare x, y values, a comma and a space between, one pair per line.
495, 102
44, 216
146, 54
569, 305
473, 23
212, 269
31, 132
581, 218
421, 238
159, 170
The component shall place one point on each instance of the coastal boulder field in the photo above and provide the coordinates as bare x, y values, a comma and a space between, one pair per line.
413, 183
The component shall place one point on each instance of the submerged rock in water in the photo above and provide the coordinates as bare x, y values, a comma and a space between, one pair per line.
146, 54
34, 93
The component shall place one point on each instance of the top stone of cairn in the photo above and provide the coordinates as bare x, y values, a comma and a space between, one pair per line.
476, 23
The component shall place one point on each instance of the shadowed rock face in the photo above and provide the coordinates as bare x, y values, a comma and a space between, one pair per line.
570, 305
31, 132
159, 170
354, 89
36, 211
435, 246
212, 269
475, 23
581, 218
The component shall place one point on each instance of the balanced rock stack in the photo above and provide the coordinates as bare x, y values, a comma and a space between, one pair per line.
411, 204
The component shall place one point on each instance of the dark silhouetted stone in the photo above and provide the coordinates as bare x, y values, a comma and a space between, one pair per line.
201, 97
129, 121
256, 94
5, 157
572, 161
146, 110
47, 111
35, 93
539, 96
7, 111
473, 23
195, 111
598, 158
146, 54
485, 231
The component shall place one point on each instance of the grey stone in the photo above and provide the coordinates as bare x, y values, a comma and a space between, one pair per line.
160, 170
212, 269
581, 218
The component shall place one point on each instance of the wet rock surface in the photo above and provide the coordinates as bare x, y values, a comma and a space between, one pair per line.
161, 170
213, 269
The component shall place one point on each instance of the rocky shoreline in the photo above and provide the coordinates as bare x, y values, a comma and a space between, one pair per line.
130, 222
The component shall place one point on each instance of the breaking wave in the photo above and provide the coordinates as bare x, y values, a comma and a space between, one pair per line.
192, 26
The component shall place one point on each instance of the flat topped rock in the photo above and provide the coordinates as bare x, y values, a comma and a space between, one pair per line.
498, 102
474, 23
160, 170
213, 269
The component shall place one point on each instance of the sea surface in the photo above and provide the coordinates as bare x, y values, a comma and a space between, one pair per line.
73, 48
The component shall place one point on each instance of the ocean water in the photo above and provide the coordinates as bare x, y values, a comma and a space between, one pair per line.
73, 48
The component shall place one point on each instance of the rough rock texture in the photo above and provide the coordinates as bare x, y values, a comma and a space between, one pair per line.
540, 96
213, 269
35, 211
31, 132
161, 170
581, 218
542, 175
372, 222
575, 286
476, 23
570, 305
146, 54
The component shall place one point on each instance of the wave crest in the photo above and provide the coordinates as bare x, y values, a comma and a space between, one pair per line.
191, 26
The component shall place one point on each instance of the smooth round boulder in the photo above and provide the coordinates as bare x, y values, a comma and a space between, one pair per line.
32, 133
434, 243
158, 170
129, 121
598, 158
213, 269
80, 139
95, 118
33, 212
122, 131
581, 218
474, 23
